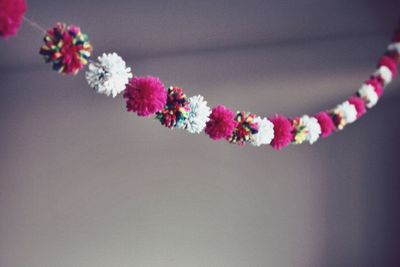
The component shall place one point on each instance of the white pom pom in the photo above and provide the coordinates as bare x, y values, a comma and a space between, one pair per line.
313, 128
198, 114
385, 73
394, 47
367, 92
265, 132
349, 112
109, 76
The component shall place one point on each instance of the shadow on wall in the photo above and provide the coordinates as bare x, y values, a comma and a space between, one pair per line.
362, 200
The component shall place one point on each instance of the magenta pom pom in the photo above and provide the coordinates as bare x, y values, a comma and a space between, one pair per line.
390, 63
282, 132
359, 104
221, 124
326, 123
11, 15
145, 95
376, 84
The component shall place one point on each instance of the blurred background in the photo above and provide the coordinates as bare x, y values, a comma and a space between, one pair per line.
84, 183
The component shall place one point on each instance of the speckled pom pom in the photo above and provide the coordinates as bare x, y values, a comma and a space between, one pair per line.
245, 128
175, 111
145, 95
221, 124
67, 48
11, 15
109, 76
198, 114
282, 132
305, 128
265, 132
326, 123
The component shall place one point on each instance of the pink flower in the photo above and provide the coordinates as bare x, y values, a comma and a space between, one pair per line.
283, 135
145, 95
326, 123
11, 15
221, 124
359, 104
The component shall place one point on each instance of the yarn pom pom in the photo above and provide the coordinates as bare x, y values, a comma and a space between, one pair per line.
326, 123
11, 15
344, 114
390, 63
175, 110
109, 76
305, 129
67, 48
265, 132
368, 93
282, 132
221, 124
245, 128
198, 114
376, 85
359, 104
145, 95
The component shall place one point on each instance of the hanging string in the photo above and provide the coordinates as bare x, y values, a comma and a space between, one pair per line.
35, 25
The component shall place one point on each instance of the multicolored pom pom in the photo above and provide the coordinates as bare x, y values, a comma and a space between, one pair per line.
265, 132
326, 123
11, 16
221, 124
344, 114
246, 127
175, 111
282, 132
109, 76
305, 128
67, 48
198, 114
145, 95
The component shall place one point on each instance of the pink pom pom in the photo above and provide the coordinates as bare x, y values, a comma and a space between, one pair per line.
221, 124
390, 63
359, 104
326, 123
11, 15
376, 84
145, 95
282, 132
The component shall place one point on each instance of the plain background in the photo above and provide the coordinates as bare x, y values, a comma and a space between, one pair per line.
84, 183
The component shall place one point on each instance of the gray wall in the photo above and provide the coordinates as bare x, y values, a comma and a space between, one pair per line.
84, 183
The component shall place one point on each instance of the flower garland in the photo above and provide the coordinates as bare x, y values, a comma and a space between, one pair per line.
68, 50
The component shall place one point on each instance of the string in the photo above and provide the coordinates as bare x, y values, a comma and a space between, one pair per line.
35, 25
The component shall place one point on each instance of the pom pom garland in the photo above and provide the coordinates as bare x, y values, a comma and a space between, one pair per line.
11, 15
222, 123
175, 112
282, 132
265, 132
109, 76
326, 123
198, 114
67, 48
246, 127
145, 95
